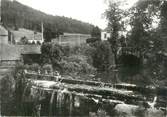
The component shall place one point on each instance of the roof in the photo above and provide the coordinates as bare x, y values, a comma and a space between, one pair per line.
31, 49
75, 34
107, 29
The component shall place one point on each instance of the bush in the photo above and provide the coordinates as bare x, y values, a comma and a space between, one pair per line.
102, 56
92, 40
76, 64
38, 42
34, 67
7, 89
75, 60
47, 67
51, 54
24, 41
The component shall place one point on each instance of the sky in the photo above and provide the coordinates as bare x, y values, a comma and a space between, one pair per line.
90, 11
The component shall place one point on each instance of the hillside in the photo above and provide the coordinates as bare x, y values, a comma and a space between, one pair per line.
16, 15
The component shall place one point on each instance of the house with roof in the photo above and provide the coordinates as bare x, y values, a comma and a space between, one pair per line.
11, 53
105, 34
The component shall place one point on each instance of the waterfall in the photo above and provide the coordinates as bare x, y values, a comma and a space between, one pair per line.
154, 101
60, 99
32, 92
77, 101
152, 111
95, 100
71, 104
152, 104
119, 50
35, 93
24, 91
51, 102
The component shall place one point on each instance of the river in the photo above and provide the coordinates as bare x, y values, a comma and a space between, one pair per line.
48, 98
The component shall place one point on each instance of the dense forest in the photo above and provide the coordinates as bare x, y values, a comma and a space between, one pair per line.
14, 16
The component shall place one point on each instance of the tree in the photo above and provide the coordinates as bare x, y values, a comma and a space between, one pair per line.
24, 40
163, 23
45, 53
96, 32
51, 54
76, 64
114, 14
146, 37
102, 56
142, 17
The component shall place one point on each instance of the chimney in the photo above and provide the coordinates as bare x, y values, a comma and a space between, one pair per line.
0, 11
42, 30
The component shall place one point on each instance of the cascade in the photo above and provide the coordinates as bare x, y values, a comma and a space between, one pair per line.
32, 92
71, 104
60, 99
24, 92
152, 111
77, 101
119, 50
51, 102
152, 104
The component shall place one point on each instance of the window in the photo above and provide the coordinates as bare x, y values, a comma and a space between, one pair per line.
105, 35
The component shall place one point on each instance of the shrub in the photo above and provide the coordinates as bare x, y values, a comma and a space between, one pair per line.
92, 40
51, 54
34, 67
47, 67
76, 64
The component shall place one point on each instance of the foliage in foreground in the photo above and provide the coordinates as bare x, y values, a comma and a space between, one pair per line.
84, 59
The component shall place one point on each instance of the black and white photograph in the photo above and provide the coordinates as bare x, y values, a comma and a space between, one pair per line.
83, 58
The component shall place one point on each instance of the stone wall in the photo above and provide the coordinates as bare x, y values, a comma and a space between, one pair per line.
72, 39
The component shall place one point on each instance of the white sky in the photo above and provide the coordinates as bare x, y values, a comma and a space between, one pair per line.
85, 10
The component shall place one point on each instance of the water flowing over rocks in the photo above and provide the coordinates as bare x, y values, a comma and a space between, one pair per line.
67, 98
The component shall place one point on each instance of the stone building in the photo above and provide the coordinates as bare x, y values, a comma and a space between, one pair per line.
13, 53
71, 39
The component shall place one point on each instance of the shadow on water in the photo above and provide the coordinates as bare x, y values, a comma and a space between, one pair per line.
131, 71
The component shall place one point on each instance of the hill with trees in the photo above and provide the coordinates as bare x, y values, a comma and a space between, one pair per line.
16, 15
